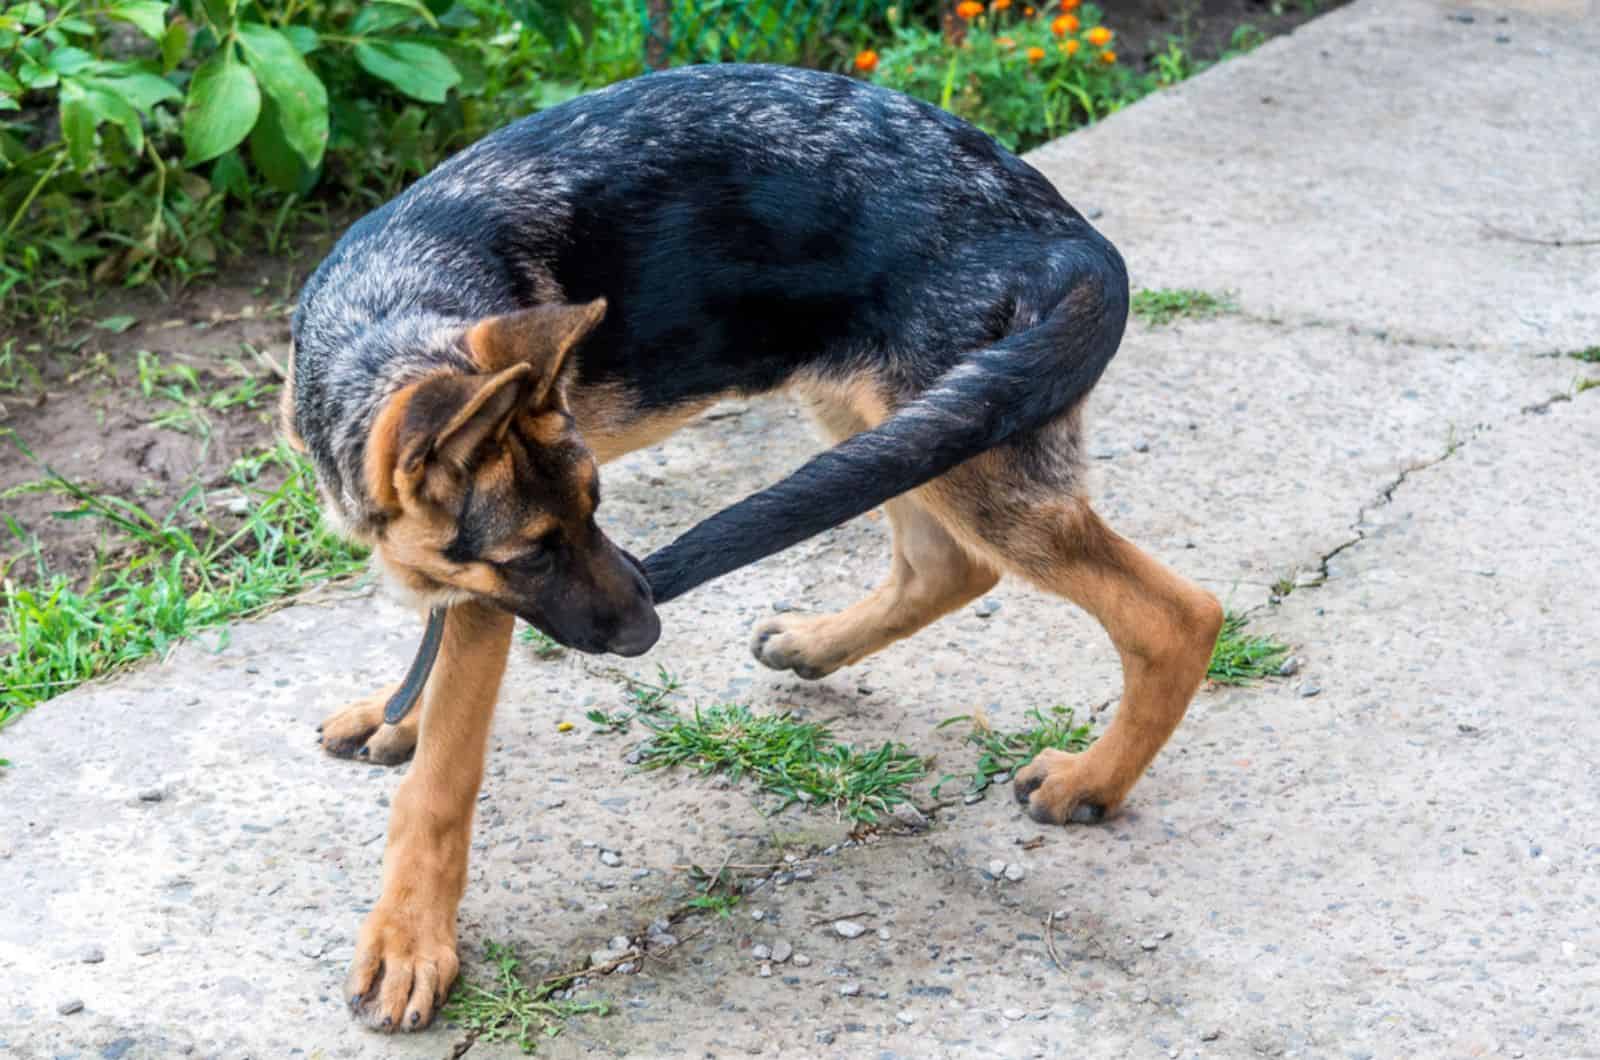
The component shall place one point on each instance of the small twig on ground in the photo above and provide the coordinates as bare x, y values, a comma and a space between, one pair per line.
1050, 940
839, 916
1518, 237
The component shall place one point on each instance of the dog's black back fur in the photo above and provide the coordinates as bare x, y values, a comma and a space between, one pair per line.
745, 224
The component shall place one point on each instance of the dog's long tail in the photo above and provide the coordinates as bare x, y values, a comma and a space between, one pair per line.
1017, 385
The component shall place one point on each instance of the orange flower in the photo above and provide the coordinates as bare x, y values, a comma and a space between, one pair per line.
1071, 47
1005, 42
1068, 5
1099, 36
1028, 11
969, 9
1035, 54
1064, 24
866, 61
999, 5
1108, 56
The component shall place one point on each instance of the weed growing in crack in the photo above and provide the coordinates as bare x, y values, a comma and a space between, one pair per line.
1587, 384
1240, 658
509, 1010
1002, 754
1161, 306
798, 761
647, 698
1588, 356
544, 645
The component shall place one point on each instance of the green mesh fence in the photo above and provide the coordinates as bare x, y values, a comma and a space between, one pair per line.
787, 31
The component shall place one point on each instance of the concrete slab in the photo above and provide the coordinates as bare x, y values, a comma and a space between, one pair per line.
1298, 849
1383, 168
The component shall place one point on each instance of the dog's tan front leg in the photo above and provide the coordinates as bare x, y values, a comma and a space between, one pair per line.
406, 954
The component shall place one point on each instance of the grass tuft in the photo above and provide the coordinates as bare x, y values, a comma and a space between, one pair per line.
1588, 356
544, 645
509, 1010
1002, 754
796, 760
1162, 306
1240, 658
172, 578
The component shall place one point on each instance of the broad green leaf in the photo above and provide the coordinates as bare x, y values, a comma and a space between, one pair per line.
224, 102
108, 106
77, 126
149, 15
302, 101
220, 12
68, 61
174, 46
9, 84
143, 91
229, 173
304, 38
7, 103
375, 18
274, 157
420, 71
75, 26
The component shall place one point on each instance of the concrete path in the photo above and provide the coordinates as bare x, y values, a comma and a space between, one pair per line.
1394, 853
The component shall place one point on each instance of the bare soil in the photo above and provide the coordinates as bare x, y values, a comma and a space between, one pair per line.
83, 413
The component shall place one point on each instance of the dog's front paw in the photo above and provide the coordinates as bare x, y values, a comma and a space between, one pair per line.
1061, 788
358, 731
403, 969
797, 643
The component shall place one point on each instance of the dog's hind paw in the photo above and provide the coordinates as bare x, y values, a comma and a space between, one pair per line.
358, 732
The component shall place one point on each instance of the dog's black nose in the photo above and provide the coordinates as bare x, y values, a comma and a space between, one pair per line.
636, 636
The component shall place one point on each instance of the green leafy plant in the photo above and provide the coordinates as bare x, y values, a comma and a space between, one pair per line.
1241, 658
1002, 754
1162, 306
508, 1010
796, 760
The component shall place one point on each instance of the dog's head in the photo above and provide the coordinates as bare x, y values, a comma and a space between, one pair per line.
488, 490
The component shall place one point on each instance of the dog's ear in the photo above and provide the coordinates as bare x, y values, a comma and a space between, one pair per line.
542, 337
429, 434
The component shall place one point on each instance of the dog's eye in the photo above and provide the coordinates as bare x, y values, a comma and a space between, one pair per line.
538, 559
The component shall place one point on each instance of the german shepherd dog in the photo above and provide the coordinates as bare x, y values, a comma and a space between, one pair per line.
583, 282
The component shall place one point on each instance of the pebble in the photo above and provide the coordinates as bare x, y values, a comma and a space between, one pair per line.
1305, 579
997, 868
782, 951
761, 951
971, 798
1148, 945
1015, 872
91, 955
911, 818
145, 949
986, 607
766, 970
67, 1008
610, 857
825, 1037
1141, 446
883, 934
151, 795
1211, 1035
627, 968
906, 1016
850, 990
1103, 453
848, 929
804, 874
758, 914
1309, 689
802, 961
619, 944
1013, 1014
1289, 667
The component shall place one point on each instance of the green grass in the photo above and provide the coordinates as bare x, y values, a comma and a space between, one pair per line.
721, 904
1587, 385
796, 760
1001, 754
1588, 356
1161, 306
169, 578
645, 697
1240, 658
544, 645
508, 1010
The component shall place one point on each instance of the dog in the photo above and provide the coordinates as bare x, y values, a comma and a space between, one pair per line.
581, 283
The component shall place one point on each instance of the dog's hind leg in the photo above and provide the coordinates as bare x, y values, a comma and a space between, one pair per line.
1162, 625
358, 731
931, 576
